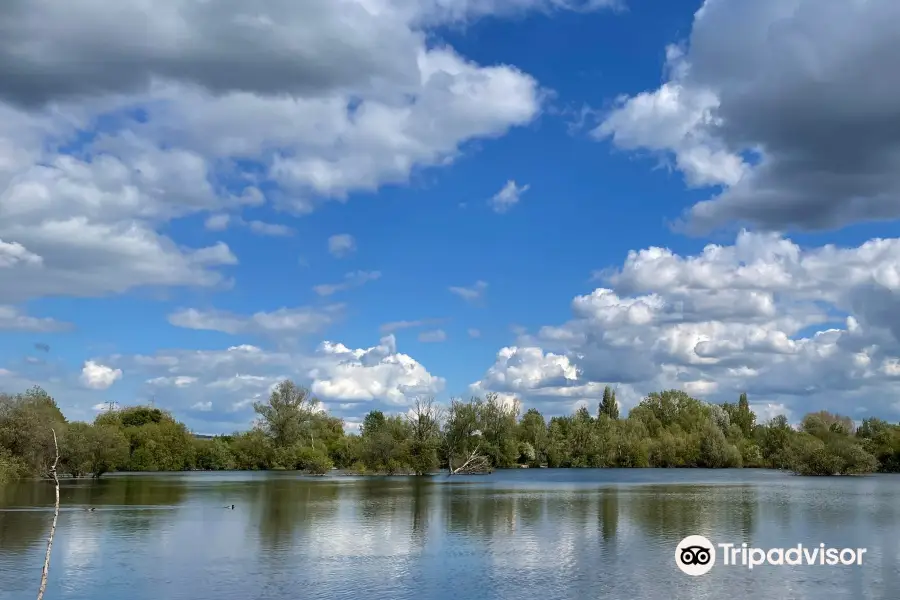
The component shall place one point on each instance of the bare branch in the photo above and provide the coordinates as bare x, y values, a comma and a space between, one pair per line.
46, 569
474, 463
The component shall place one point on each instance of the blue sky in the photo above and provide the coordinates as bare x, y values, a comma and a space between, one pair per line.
152, 203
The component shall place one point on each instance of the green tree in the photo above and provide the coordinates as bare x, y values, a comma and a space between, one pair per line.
287, 416
882, 440
213, 455
608, 405
462, 435
533, 432
26, 421
774, 439
823, 421
252, 450
424, 421
498, 422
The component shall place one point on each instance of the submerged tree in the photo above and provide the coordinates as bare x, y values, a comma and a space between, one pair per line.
425, 421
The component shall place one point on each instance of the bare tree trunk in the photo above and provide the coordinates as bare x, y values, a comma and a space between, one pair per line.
43, 587
474, 463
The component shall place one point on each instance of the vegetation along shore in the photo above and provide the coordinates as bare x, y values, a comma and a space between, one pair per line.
666, 429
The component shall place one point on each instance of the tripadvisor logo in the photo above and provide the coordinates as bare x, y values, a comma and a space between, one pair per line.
695, 555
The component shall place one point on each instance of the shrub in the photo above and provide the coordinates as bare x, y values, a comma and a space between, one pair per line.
313, 461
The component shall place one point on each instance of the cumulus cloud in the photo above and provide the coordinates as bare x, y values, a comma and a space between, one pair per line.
507, 197
378, 373
98, 376
284, 321
14, 253
351, 280
795, 328
82, 227
766, 100
349, 381
222, 47
470, 294
96, 161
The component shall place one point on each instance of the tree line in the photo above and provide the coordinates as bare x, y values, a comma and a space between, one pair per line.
292, 432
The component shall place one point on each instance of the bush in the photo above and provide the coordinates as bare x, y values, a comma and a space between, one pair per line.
313, 461
213, 455
358, 468
11, 468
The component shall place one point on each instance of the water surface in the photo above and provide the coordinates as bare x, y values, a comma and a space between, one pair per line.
518, 535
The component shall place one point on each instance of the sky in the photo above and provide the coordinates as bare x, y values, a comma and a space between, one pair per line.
390, 199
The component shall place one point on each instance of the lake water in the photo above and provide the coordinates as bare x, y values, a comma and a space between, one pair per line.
518, 535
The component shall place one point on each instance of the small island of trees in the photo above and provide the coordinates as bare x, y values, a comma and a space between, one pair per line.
666, 429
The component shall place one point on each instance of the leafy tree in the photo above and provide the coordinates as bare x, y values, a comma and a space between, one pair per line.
775, 442
287, 417
27, 422
666, 429
882, 440
462, 434
424, 421
533, 432
498, 420
608, 405
252, 450
213, 455
819, 422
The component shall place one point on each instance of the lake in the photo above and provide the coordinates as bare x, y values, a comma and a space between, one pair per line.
539, 534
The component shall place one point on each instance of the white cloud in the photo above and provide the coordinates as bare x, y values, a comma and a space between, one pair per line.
98, 376
474, 333
341, 245
92, 222
436, 335
778, 81
202, 406
353, 96
348, 381
11, 318
221, 222
218, 222
180, 381
270, 229
398, 325
507, 197
798, 329
377, 373
14, 253
284, 321
351, 280
471, 294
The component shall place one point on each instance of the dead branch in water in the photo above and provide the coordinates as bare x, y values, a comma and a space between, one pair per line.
43, 587
474, 463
